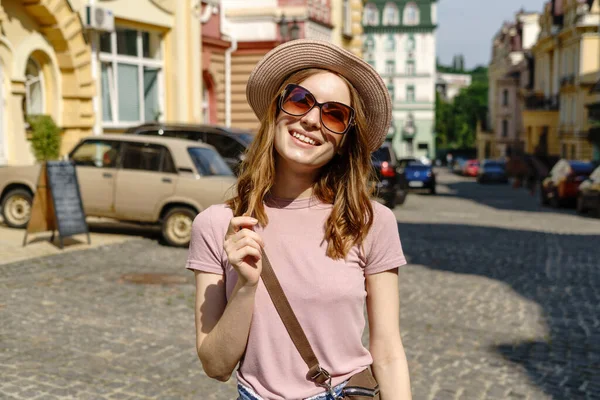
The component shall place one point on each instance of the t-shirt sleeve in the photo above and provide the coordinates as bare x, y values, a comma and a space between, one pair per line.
383, 247
206, 244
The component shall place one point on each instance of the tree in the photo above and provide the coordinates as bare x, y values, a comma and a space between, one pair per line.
456, 122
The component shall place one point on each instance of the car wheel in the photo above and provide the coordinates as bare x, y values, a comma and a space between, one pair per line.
401, 197
555, 201
580, 208
177, 226
390, 201
16, 208
432, 190
543, 197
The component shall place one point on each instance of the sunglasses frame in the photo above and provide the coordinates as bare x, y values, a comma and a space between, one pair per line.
292, 86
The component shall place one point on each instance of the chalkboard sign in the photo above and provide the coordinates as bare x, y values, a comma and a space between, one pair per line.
66, 198
57, 203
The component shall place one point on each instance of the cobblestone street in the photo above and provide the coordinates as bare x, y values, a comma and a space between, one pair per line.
501, 300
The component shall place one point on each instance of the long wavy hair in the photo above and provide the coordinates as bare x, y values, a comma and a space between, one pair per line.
345, 182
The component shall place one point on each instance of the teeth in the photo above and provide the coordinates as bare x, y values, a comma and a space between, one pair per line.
303, 138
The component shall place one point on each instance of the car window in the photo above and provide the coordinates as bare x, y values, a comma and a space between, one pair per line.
142, 156
226, 146
168, 166
101, 154
209, 162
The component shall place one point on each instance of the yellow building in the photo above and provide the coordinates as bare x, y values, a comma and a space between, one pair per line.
45, 68
347, 24
96, 66
567, 55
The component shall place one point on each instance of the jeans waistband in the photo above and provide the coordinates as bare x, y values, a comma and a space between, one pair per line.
247, 393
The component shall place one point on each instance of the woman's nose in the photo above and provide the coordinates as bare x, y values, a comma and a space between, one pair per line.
312, 119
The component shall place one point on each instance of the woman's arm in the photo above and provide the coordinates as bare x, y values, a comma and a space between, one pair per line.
389, 360
221, 328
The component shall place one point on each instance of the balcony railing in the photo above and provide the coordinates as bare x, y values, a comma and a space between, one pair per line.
537, 102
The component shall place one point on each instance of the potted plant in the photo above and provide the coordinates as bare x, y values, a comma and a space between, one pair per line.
45, 137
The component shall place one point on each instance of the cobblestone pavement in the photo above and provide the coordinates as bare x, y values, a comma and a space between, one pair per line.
500, 301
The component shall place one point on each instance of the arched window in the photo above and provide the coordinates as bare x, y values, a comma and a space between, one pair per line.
391, 15
411, 14
371, 15
390, 43
34, 89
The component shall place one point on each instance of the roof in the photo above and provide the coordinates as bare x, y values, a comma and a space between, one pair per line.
189, 127
167, 141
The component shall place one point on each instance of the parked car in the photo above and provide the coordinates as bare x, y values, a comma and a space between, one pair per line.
471, 168
561, 186
231, 143
458, 164
418, 175
391, 184
149, 180
492, 171
588, 198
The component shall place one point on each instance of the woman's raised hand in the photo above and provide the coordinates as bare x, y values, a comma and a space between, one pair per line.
243, 247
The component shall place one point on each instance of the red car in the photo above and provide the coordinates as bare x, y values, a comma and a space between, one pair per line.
561, 186
471, 168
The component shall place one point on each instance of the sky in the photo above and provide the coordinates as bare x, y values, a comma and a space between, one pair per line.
468, 26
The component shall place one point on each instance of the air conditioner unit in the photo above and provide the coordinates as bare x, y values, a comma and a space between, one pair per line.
99, 19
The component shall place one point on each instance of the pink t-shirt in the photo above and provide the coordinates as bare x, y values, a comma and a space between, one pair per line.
327, 296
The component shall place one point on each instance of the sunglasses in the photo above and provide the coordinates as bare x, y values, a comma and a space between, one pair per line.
297, 101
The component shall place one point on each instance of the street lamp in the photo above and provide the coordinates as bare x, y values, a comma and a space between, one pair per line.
286, 31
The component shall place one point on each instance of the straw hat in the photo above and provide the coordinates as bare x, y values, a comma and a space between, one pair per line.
290, 57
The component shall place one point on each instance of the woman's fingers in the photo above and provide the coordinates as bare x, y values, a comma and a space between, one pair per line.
240, 255
247, 233
238, 223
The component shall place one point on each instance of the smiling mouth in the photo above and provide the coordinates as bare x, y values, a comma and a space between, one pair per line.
304, 139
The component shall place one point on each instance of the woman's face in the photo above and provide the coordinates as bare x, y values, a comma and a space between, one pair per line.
292, 151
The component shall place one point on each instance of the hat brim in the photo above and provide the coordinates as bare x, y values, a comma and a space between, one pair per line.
288, 58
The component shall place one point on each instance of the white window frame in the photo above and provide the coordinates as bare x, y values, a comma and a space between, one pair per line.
390, 67
390, 39
114, 59
371, 15
414, 94
391, 10
406, 17
411, 68
40, 80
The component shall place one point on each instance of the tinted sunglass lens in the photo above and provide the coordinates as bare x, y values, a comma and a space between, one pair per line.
297, 102
335, 117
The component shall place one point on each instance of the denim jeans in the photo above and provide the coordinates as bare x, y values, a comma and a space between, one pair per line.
247, 393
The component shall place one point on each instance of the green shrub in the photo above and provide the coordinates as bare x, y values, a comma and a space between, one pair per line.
45, 138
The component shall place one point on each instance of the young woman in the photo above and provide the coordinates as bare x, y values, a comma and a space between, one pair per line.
303, 197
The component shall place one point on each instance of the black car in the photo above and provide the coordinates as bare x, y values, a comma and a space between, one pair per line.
231, 143
588, 198
391, 183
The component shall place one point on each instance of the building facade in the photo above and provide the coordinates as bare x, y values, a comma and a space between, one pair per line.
252, 29
449, 85
508, 75
45, 68
567, 61
399, 42
96, 66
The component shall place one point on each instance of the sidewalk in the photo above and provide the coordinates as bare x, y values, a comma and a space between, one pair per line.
39, 245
